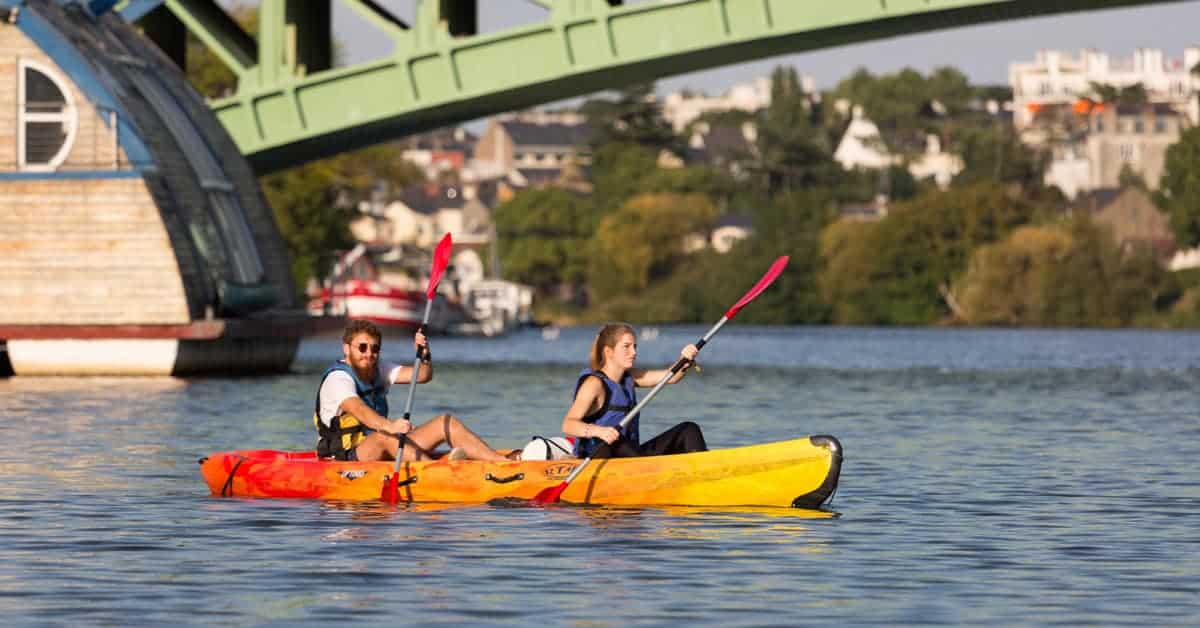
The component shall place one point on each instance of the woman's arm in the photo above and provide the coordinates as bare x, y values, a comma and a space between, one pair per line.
587, 400
646, 378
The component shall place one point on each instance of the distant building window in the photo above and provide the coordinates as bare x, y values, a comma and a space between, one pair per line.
1045, 89
1126, 152
1139, 126
1099, 125
1160, 125
45, 119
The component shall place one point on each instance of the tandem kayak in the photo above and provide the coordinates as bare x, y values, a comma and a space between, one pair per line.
802, 473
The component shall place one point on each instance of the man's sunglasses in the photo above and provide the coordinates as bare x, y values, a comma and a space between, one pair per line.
362, 348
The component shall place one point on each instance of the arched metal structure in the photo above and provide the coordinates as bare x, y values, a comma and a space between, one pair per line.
292, 106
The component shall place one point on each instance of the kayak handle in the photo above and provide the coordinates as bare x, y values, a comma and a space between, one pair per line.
512, 478
405, 482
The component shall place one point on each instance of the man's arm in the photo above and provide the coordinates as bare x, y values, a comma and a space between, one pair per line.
371, 418
425, 367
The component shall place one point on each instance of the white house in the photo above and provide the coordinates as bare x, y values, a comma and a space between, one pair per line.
935, 164
1056, 79
681, 108
862, 146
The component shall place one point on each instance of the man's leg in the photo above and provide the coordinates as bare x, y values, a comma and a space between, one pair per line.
446, 428
377, 446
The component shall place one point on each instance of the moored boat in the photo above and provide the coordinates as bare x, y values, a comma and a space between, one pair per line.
800, 473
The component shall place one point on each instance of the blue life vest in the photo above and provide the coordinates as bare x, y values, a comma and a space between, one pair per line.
618, 401
344, 432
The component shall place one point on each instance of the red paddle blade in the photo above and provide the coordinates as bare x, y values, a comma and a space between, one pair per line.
441, 257
762, 284
391, 489
550, 495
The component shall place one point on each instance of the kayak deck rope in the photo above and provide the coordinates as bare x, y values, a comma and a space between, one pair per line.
227, 489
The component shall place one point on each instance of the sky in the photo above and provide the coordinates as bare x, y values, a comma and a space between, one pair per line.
983, 52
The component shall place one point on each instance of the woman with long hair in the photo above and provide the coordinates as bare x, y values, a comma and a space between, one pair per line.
606, 391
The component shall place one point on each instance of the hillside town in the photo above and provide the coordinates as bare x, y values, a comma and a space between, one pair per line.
1096, 131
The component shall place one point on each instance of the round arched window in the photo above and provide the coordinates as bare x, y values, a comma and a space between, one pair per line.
46, 119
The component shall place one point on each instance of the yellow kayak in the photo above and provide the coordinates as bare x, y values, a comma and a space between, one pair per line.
801, 473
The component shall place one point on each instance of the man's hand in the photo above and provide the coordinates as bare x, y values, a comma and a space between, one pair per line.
399, 426
421, 344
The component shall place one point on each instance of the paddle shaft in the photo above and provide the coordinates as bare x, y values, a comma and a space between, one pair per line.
675, 368
412, 384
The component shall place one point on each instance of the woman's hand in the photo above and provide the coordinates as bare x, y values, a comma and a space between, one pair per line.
688, 355
603, 432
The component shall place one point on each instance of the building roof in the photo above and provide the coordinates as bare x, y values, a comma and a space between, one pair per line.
549, 134
735, 220
1097, 199
428, 199
445, 139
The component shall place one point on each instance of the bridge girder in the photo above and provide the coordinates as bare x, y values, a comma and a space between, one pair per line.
289, 109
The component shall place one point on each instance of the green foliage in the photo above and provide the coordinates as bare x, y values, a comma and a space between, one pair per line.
893, 271
205, 71
302, 202
645, 240
900, 104
1179, 189
544, 237
1055, 275
633, 118
305, 202
1130, 178
996, 154
1094, 285
1104, 92
793, 154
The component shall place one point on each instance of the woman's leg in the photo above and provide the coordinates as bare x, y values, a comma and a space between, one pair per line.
446, 428
684, 438
620, 449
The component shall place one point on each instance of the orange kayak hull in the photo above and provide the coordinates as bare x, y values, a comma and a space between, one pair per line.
803, 473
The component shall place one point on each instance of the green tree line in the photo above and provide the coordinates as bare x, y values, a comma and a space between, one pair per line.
996, 248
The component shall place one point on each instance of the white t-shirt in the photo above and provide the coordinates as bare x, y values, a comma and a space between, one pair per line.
339, 386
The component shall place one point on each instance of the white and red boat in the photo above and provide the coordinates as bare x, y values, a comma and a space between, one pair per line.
382, 285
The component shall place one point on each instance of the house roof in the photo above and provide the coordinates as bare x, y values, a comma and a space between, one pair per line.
1097, 199
550, 134
446, 139
735, 220
429, 199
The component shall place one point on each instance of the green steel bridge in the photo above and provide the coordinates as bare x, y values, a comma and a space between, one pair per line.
292, 105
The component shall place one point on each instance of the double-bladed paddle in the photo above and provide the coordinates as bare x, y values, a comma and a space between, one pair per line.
553, 493
441, 258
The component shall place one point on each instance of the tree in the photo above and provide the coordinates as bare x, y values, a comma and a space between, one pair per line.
1104, 92
1128, 177
792, 151
635, 117
894, 271
1006, 282
644, 240
1179, 189
544, 237
994, 153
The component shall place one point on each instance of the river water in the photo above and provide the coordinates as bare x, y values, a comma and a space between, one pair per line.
992, 477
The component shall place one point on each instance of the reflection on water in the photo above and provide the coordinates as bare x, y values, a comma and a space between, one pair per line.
983, 469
